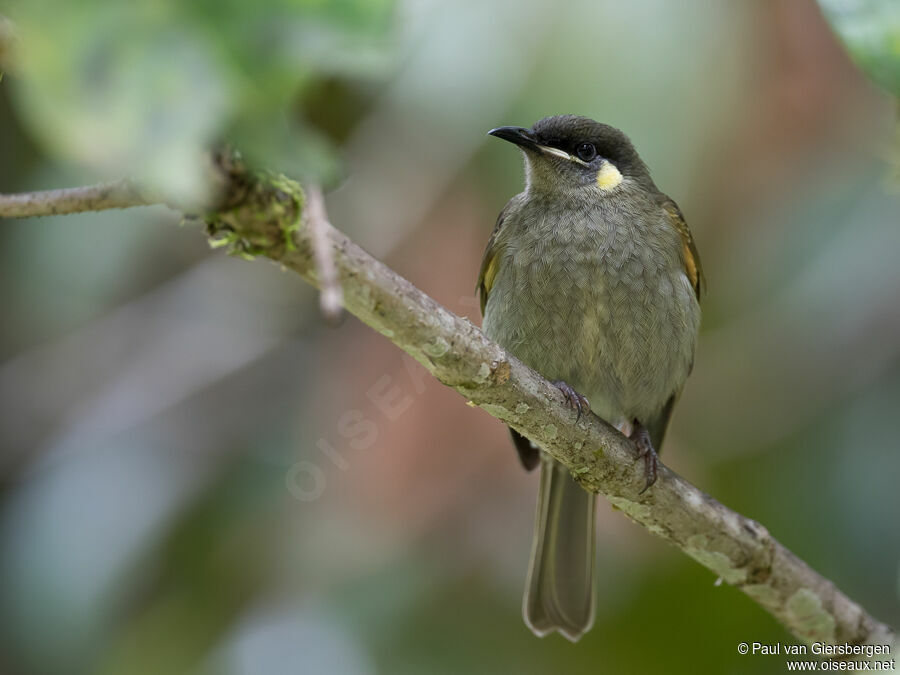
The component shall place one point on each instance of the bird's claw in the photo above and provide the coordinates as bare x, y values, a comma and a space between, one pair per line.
575, 400
641, 438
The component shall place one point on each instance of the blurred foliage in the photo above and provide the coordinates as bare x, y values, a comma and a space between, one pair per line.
219, 543
871, 31
145, 87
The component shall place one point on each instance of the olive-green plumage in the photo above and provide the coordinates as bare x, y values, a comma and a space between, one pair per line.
590, 277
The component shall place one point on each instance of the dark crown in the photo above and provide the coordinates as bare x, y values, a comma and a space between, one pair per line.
567, 132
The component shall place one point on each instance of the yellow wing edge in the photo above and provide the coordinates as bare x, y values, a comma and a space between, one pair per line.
692, 266
490, 263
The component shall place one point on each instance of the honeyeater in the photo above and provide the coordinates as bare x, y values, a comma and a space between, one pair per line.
592, 278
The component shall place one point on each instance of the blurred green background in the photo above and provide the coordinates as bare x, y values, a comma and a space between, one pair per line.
198, 476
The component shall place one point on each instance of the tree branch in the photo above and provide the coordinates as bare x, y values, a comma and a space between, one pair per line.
120, 194
261, 215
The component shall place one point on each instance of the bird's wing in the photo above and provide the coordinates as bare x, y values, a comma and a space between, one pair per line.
529, 454
694, 271
692, 267
490, 261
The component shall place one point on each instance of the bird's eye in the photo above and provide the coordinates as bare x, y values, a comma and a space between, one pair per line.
586, 151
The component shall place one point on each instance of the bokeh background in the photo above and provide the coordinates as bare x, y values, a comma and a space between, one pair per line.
197, 475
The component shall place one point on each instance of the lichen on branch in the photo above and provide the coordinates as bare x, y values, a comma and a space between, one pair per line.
258, 212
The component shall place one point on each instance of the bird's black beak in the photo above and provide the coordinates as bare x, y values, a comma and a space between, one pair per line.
518, 135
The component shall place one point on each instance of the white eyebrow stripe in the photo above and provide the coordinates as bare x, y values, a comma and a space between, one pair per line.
560, 153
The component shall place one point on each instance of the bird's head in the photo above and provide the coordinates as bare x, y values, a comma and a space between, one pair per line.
567, 155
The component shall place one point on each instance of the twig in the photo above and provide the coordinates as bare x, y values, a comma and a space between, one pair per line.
120, 194
260, 214
331, 297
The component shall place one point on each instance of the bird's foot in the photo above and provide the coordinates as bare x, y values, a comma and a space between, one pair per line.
641, 438
575, 400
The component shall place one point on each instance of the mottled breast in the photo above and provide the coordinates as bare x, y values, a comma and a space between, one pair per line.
595, 294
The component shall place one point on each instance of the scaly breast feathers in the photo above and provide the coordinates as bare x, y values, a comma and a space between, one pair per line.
612, 317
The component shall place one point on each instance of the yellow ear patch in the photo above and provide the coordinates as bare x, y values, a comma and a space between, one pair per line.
608, 177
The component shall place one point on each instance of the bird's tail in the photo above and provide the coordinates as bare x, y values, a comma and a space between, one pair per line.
559, 593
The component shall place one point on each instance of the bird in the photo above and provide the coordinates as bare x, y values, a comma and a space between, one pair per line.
592, 278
